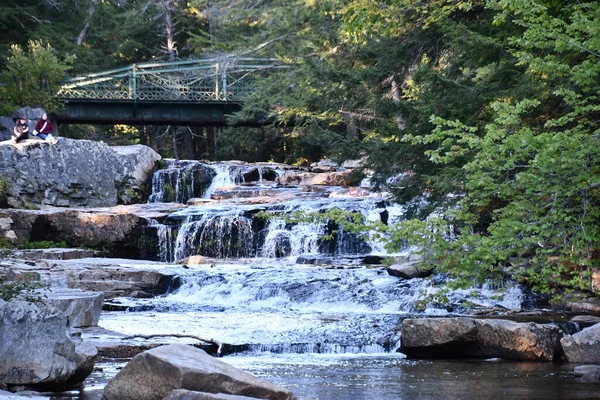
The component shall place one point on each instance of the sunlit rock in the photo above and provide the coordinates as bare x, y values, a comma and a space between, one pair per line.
153, 374
74, 173
479, 338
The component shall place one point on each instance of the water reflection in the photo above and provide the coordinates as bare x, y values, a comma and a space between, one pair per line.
394, 377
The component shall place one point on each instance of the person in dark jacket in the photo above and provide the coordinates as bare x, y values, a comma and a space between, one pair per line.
43, 128
20, 131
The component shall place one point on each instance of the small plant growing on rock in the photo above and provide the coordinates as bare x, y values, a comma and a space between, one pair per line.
23, 289
27, 290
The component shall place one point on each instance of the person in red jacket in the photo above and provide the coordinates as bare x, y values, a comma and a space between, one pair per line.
43, 128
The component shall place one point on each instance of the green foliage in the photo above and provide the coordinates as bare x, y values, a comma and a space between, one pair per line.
531, 176
44, 244
27, 290
32, 76
3, 193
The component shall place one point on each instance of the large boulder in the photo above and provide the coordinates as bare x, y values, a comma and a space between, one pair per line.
512, 340
74, 173
153, 374
478, 338
584, 346
37, 349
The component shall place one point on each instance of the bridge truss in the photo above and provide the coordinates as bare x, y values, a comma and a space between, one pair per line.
202, 81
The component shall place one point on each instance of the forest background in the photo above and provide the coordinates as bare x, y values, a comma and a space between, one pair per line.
488, 109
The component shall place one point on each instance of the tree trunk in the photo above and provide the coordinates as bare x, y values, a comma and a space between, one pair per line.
88, 22
397, 96
170, 29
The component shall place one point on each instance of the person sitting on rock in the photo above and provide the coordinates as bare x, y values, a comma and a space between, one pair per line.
20, 131
43, 128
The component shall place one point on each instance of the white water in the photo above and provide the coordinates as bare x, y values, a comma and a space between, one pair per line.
222, 179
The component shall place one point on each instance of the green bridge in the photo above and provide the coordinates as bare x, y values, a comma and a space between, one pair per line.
190, 93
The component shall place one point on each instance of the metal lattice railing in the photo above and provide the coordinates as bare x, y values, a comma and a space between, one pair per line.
209, 80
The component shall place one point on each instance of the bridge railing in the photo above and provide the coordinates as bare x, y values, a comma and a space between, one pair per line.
208, 80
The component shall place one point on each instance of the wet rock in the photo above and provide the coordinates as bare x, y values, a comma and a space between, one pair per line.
372, 260
409, 270
579, 302
584, 346
153, 374
474, 338
37, 348
74, 173
182, 394
587, 373
122, 282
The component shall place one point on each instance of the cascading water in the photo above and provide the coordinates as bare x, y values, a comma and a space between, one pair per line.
293, 308
254, 273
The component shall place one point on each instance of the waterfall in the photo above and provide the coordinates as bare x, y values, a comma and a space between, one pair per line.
221, 236
221, 179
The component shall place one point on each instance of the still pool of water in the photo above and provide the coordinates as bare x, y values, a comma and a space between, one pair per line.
392, 376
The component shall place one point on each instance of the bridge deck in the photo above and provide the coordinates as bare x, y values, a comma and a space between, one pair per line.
191, 92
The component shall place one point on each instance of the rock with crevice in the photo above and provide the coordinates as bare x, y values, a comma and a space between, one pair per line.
152, 375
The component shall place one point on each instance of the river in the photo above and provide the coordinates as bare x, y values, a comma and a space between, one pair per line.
309, 315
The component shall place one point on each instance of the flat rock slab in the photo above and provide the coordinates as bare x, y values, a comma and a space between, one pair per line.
54, 254
82, 308
114, 277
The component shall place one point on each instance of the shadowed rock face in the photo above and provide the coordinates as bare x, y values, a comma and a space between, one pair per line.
74, 173
479, 338
153, 374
